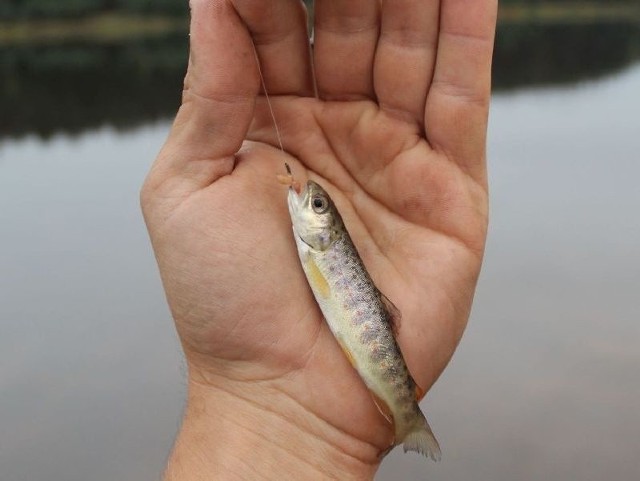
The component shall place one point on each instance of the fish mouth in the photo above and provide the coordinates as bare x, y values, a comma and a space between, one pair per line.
297, 198
296, 201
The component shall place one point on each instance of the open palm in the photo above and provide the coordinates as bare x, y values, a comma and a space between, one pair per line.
397, 138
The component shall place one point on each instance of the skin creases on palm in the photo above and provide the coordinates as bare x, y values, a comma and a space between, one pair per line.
418, 220
242, 305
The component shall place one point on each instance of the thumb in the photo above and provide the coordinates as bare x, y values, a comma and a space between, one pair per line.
219, 94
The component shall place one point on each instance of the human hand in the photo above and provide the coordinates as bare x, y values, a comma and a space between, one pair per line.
397, 138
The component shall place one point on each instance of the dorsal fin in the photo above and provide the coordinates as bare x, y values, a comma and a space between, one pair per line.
395, 317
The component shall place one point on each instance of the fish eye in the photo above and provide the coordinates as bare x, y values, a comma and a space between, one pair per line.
320, 204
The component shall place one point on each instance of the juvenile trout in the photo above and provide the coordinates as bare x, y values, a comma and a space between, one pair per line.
360, 317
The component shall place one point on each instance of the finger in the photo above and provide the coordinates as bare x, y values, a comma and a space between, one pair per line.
405, 56
458, 101
218, 99
279, 31
345, 36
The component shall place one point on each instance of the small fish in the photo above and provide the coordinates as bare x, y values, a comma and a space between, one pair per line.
360, 317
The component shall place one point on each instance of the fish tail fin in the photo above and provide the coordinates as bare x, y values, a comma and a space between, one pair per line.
421, 440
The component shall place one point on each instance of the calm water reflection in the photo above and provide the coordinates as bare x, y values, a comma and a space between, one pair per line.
544, 385
69, 88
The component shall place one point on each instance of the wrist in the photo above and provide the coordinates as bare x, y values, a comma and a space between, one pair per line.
235, 430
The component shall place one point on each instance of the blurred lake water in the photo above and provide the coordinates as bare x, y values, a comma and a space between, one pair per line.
543, 386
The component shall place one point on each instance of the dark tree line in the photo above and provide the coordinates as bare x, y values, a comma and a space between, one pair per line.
73, 87
13, 9
21, 9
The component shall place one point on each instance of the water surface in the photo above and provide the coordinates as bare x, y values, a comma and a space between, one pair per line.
545, 382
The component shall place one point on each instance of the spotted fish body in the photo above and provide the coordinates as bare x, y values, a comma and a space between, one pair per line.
358, 314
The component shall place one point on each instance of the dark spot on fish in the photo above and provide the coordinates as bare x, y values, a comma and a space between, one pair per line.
393, 371
378, 353
368, 335
408, 416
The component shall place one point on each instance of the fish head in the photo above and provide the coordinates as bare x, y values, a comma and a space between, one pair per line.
314, 216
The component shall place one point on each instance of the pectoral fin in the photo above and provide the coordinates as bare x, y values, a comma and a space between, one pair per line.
316, 278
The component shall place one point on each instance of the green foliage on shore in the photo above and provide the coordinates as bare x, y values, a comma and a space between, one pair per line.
26, 9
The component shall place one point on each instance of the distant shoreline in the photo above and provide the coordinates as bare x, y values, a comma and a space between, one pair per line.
569, 13
109, 27
105, 27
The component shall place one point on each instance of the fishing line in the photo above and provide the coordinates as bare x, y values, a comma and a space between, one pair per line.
266, 94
